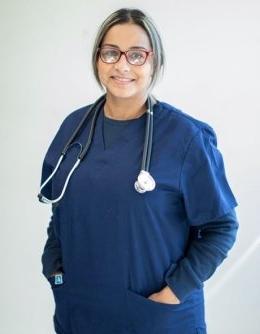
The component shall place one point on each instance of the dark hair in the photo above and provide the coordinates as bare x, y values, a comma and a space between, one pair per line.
136, 16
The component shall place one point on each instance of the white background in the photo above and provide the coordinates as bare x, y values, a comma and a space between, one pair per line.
212, 73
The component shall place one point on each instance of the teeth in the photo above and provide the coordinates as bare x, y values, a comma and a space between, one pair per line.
122, 79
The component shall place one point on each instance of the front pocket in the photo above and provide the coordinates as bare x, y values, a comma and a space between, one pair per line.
152, 302
61, 313
148, 316
57, 281
97, 309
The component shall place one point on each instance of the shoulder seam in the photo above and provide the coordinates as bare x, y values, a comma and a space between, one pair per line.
199, 124
185, 154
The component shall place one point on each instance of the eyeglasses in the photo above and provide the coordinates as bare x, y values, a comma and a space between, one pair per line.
133, 56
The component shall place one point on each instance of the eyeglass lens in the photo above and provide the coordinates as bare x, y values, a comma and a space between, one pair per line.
134, 57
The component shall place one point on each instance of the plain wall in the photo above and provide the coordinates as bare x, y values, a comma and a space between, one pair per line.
212, 73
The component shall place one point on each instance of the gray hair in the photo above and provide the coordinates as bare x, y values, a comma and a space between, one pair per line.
136, 16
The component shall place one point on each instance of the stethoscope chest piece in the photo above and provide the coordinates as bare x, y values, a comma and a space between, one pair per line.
145, 182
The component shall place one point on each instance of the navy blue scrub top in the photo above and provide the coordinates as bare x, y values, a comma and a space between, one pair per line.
118, 246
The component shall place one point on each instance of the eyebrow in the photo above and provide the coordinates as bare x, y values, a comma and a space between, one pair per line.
117, 47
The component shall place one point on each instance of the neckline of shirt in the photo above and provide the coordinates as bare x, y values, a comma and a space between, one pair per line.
122, 122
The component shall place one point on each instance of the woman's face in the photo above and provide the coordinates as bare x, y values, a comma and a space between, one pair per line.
136, 78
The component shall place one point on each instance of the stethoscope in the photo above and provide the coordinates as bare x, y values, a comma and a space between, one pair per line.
144, 182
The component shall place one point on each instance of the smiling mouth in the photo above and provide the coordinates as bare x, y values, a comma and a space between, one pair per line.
122, 80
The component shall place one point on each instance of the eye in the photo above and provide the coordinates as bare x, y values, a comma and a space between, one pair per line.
108, 54
136, 56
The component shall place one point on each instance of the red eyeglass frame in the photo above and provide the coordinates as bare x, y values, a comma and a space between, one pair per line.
125, 53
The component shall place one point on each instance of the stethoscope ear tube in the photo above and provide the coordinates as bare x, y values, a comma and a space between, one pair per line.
84, 119
98, 107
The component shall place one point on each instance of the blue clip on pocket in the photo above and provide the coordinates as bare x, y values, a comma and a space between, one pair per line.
58, 279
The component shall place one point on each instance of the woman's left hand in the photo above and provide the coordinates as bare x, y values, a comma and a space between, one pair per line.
166, 295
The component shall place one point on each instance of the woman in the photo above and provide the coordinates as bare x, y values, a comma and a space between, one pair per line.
127, 256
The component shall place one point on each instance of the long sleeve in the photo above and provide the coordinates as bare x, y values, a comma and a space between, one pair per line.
208, 202
51, 258
208, 247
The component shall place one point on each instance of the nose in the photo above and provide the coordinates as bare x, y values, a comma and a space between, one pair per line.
122, 64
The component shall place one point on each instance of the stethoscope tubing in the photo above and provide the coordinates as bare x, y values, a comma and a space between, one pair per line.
150, 136
96, 107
